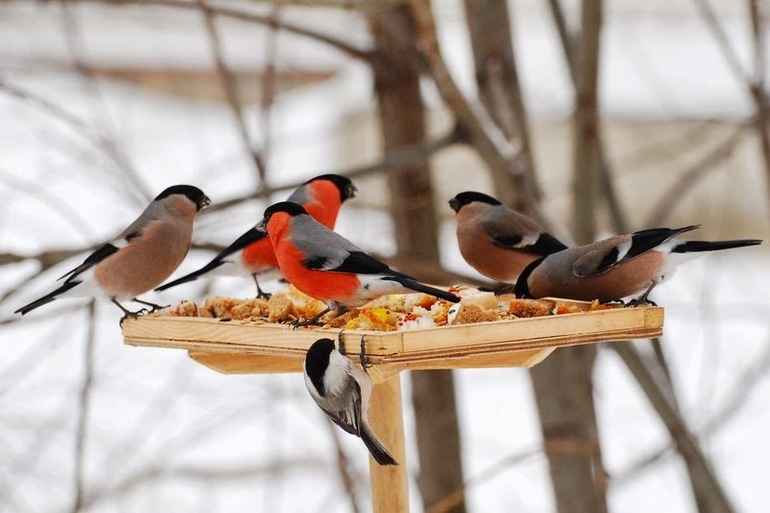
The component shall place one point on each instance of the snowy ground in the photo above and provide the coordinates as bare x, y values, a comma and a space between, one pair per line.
167, 434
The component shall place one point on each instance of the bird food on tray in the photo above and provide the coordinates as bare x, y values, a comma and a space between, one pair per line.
394, 312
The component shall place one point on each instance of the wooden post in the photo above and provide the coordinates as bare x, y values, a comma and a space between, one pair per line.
390, 489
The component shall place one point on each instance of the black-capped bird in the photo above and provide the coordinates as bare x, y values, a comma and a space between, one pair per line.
141, 257
342, 391
324, 265
251, 254
617, 267
498, 241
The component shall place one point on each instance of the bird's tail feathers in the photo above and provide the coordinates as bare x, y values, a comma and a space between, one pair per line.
694, 246
47, 298
376, 449
426, 289
192, 276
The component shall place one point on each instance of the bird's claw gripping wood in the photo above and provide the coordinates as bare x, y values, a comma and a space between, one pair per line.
154, 307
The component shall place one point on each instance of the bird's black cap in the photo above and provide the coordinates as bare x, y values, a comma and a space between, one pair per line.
193, 194
343, 183
316, 362
467, 197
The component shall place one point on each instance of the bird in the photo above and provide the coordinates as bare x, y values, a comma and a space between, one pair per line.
617, 267
323, 264
251, 254
342, 391
496, 240
141, 257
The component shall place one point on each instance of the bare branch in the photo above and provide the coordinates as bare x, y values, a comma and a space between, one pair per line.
494, 148
231, 91
458, 495
710, 495
343, 466
84, 403
709, 162
402, 157
227, 12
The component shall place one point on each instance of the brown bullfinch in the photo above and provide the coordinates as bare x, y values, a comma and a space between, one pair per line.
342, 391
498, 241
252, 254
141, 257
328, 267
617, 267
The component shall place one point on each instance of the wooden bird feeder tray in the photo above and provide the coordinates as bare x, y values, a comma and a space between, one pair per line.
237, 347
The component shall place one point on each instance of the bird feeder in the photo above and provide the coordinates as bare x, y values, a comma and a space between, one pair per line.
239, 347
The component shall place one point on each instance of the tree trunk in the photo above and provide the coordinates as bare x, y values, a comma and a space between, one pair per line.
567, 414
401, 111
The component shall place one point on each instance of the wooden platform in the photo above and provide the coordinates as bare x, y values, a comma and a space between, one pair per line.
247, 347
243, 347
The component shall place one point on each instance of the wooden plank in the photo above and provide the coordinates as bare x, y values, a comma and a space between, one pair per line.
244, 347
390, 484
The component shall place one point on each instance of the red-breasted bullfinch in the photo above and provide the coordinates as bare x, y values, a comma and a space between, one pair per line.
342, 391
498, 241
252, 254
328, 267
141, 257
617, 267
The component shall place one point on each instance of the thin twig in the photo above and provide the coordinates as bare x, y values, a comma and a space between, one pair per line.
84, 407
493, 147
343, 466
81, 128
235, 14
458, 495
231, 90
709, 493
404, 157
709, 162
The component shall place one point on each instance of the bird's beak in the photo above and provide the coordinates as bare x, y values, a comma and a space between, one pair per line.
454, 204
351, 191
204, 202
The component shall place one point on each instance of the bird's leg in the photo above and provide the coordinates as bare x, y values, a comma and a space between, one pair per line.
127, 313
503, 288
260, 293
340, 342
642, 300
362, 355
313, 321
155, 307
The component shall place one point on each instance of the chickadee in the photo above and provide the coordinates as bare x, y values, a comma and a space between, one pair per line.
342, 391
141, 257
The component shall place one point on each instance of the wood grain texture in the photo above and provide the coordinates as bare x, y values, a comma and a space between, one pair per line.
390, 493
241, 347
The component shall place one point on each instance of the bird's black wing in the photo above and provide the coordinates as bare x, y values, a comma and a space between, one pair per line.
91, 260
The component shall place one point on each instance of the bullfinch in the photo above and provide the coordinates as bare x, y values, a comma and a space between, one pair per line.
617, 267
252, 254
342, 391
497, 241
141, 257
328, 267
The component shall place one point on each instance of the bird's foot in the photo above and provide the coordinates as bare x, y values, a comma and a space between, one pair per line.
154, 307
127, 314
261, 294
313, 321
362, 355
640, 301
503, 288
